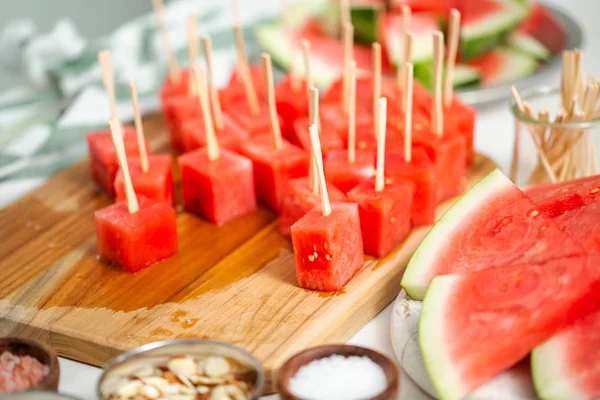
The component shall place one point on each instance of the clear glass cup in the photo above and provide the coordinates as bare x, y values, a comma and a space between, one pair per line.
551, 151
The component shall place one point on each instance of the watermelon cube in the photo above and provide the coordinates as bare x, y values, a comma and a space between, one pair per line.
364, 94
253, 124
300, 199
231, 136
172, 88
385, 214
329, 137
344, 175
156, 184
273, 168
104, 164
421, 171
328, 250
449, 154
235, 92
365, 137
135, 241
217, 190
177, 111
291, 104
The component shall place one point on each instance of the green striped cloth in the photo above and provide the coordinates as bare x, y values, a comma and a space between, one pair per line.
44, 122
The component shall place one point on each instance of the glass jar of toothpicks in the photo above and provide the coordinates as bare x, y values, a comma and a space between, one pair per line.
557, 129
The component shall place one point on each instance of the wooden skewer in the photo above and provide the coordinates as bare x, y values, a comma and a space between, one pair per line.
212, 88
307, 64
244, 69
174, 70
348, 39
109, 82
212, 146
294, 81
376, 84
454, 30
408, 94
192, 48
313, 118
408, 45
275, 128
404, 58
382, 117
437, 122
316, 146
139, 127
117, 136
344, 13
352, 115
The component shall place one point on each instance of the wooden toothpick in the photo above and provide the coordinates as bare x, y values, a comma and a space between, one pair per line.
275, 128
108, 80
244, 69
348, 39
139, 128
212, 146
212, 88
294, 81
437, 122
316, 146
352, 115
405, 28
344, 13
117, 136
376, 84
408, 43
313, 118
382, 117
192, 49
174, 70
408, 95
454, 30
307, 64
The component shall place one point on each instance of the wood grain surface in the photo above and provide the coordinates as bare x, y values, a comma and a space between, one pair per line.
235, 283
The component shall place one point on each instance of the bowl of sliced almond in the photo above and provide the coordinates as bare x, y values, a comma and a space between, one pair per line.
183, 369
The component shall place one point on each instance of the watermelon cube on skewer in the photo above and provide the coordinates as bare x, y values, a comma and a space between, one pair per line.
330, 139
346, 175
155, 184
474, 325
292, 104
231, 136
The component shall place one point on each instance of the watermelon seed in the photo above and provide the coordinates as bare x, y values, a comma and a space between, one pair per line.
543, 228
389, 181
393, 219
595, 190
316, 255
534, 213
325, 245
311, 258
362, 144
327, 257
314, 247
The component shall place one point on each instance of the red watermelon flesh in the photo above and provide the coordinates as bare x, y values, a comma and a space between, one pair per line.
543, 26
273, 168
328, 136
177, 111
582, 225
292, 103
555, 199
384, 214
173, 88
104, 164
135, 241
254, 124
493, 224
235, 91
344, 175
421, 171
300, 199
155, 184
566, 366
218, 190
231, 136
441, 7
503, 65
476, 324
328, 250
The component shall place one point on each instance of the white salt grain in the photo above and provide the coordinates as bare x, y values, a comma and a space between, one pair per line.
339, 378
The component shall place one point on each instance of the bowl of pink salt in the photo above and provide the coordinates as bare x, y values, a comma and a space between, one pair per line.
26, 364
339, 372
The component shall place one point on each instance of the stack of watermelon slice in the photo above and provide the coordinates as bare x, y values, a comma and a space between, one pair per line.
500, 40
505, 273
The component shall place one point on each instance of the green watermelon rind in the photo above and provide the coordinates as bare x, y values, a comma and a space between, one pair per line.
366, 24
521, 65
477, 39
464, 75
529, 45
548, 375
413, 281
440, 369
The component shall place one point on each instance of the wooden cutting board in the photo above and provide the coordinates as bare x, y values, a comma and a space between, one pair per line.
235, 283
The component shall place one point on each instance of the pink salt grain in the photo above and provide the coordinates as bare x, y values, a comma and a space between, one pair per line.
20, 372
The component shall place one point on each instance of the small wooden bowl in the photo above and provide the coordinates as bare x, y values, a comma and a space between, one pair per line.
39, 351
291, 367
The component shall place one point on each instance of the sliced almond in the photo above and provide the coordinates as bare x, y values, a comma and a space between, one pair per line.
130, 389
150, 392
206, 380
216, 366
185, 366
145, 371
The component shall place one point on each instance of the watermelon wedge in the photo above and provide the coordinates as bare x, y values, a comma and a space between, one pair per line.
464, 75
493, 224
486, 24
422, 26
365, 16
529, 45
474, 325
566, 366
503, 65
542, 26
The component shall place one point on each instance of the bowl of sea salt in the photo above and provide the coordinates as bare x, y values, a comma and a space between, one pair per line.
338, 372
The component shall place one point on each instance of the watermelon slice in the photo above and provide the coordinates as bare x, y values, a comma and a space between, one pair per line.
476, 324
503, 65
422, 26
365, 16
493, 224
542, 26
559, 198
486, 24
464, 75
566, 366
529, 45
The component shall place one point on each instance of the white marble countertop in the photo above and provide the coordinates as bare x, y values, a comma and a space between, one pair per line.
493, 138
